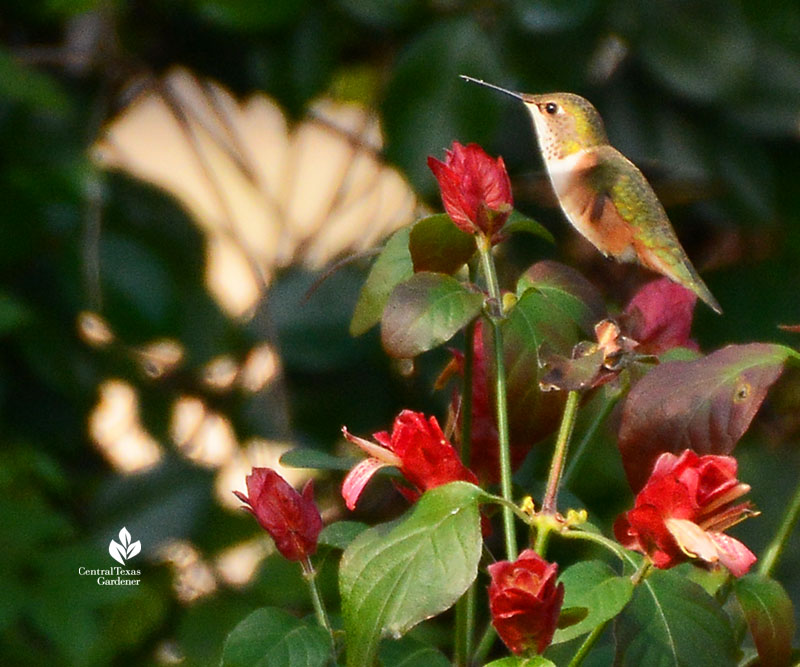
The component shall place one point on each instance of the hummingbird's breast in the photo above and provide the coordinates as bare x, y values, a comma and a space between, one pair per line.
590, 210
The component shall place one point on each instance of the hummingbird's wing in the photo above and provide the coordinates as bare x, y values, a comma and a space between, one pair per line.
622, 193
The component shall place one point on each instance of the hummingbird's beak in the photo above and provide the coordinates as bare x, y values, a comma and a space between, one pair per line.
491, 85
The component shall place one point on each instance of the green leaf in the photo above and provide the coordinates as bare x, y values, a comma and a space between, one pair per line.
594, 588
673, 622
515, 661
409, 652
769, 614
704, 405
339, 535
305, 457
519, 223
425, 311
394, 576
436, 244
272, 636
534, 319
568, 290
392, 267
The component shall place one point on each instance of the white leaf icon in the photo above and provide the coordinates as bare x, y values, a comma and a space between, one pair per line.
124, 537
117, 552
134, 549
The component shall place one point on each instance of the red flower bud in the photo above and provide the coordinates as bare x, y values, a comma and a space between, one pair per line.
476, 190
525, 602
683, 509
417, 447
292, 520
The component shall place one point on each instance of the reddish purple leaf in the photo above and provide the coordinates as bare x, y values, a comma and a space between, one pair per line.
770, 616
705, 405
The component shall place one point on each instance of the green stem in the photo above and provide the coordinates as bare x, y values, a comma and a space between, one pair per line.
612, 546
588, 436
495, 315
485, 645
595, 634
316, 599
542, 539
465, 607
465, 627
549, 505
588, 644
775, 549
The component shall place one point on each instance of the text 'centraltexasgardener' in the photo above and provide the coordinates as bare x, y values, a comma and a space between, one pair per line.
112, 576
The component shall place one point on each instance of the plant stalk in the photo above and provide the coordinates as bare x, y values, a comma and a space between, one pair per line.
549, 505
495, 316
775, 549
485, 644
465, 607
319, 606
587, 645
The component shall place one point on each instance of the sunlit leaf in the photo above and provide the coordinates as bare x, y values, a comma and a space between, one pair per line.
392, 267
274, 637
264, 194
436, 244
673, 622
425, 311
394, 576
705, 405
593, 587
769, 614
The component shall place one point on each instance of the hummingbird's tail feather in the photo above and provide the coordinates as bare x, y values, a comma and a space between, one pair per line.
671, 261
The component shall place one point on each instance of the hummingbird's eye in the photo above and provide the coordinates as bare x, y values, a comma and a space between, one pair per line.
551, 108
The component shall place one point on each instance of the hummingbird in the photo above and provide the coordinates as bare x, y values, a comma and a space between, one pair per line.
601, 192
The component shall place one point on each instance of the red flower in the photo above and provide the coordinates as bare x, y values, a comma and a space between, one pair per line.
476, 190
682, 510
659, 317
416, 446
525, 602
292, 520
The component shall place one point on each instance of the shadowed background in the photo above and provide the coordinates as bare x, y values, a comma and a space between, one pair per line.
177, 175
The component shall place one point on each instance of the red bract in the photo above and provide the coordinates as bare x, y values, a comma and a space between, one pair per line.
683, 510
476, 190
292, 520
416, 446
659, 317
525, 602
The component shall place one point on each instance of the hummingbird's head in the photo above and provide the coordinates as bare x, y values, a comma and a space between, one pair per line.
565, 123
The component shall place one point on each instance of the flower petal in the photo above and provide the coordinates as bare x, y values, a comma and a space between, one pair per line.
693, 540
732, 553
374, 450
357, 479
